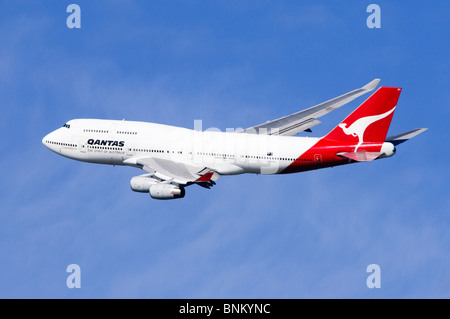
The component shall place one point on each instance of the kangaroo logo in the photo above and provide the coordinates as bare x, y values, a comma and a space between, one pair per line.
358, 127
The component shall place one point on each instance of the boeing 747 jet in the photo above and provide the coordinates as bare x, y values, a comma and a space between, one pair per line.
174, 157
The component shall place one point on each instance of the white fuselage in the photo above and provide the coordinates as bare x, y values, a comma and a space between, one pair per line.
122, 142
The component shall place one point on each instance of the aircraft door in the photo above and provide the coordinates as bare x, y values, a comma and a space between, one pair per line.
129, 149
82, 145
318, 158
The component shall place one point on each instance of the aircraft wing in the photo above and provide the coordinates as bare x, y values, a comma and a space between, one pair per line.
179, 173
305, 119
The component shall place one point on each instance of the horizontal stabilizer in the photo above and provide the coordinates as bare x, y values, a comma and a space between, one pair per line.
403, 137
360, 156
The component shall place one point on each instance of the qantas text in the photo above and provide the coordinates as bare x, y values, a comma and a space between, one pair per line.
106, 143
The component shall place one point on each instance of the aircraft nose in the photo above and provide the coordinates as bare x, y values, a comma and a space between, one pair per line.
45, 139
49, 141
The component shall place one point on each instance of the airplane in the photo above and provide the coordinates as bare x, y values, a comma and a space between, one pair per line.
175, 157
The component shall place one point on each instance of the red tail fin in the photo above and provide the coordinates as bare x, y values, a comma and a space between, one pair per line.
370, 121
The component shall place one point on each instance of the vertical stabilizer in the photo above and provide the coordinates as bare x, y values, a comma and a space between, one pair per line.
370, 121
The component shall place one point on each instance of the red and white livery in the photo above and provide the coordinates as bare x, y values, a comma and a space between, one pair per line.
175, 157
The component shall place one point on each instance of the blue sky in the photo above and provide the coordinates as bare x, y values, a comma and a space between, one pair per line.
231, 64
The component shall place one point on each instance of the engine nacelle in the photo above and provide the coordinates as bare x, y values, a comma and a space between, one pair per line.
141, 183
166, 191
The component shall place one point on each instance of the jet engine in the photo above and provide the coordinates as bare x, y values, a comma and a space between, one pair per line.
142, 183
146, 184
166, 191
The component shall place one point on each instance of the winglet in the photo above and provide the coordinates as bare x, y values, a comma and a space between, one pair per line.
371, 85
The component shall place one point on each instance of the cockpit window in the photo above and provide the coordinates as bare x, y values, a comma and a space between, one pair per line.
66, 125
